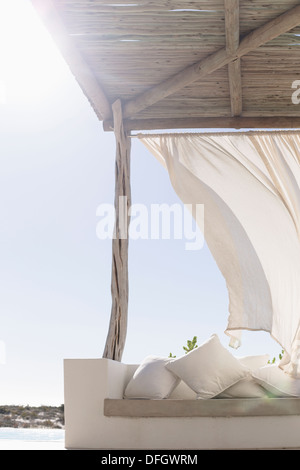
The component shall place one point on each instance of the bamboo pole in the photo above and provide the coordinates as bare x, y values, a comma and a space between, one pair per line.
116, 337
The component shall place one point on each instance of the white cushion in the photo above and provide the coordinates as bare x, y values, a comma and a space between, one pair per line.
208, 369
183, 392
277, 382
247, 387
151, 380
254, 362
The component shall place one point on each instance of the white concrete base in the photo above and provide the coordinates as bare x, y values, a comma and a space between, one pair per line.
89, 381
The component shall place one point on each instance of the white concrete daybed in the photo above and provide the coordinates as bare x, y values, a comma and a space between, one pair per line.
98, 418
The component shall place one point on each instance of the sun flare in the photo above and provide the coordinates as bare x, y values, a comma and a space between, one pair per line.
30, 65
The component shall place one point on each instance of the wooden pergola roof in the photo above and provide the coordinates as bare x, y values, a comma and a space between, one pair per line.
182, 64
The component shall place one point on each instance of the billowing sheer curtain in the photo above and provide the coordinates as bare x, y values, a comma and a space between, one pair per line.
250, 187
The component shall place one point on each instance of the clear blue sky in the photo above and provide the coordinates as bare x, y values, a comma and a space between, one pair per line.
57, 166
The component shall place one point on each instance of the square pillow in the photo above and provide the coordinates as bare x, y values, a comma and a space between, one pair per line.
183, 392
254, 362
151, 380
209, 369
247, 387
277, 382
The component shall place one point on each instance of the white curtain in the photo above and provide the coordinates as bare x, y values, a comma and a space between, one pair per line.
249, 185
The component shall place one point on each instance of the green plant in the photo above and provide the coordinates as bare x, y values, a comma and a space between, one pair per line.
190, 345
274, 358
171, 355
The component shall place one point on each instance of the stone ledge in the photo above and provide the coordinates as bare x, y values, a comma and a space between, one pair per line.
201, 408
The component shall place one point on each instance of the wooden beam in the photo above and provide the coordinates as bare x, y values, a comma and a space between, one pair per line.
116, 337
252, 41
232, 25
235, 87
238, 122
272, 29
232, 30
80, 69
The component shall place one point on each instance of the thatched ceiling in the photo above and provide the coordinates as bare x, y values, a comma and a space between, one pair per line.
183, 63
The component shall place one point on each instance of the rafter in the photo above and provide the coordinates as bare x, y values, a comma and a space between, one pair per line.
232, 29
235, 87
232, 25
252, 41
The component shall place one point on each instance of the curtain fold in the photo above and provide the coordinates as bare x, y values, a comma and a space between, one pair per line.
250, 187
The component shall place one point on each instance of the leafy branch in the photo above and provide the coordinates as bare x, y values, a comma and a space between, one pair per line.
190, 345
274, 358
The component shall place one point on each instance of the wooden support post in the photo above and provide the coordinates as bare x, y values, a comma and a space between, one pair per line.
115, 341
